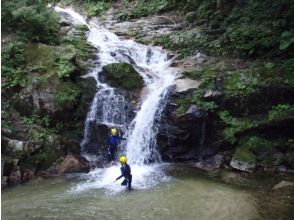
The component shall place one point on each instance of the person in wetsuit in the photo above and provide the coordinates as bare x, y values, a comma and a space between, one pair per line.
113, 142
125, 172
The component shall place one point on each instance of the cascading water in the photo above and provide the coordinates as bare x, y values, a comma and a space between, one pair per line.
154, 66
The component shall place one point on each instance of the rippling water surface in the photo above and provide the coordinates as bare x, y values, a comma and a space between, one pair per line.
186, 194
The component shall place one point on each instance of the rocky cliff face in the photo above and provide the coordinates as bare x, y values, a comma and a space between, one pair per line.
43, 120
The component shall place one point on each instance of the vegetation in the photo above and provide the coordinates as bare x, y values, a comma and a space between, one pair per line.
67, 95
92, 7
280, 112
40, 62
244, 29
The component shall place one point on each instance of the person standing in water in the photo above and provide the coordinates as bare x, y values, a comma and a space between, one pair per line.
125, 172
113, 142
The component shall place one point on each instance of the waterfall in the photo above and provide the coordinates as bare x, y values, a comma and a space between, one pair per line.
153, 65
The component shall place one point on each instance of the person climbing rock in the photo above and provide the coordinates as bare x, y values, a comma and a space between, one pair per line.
113, 142
125, 172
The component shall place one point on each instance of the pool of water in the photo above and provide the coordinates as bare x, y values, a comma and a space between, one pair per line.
187, 193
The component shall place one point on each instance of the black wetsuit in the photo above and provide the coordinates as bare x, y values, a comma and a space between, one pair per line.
113, 142
126, 173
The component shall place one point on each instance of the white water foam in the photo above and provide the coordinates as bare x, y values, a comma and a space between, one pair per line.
153, 65
143, 177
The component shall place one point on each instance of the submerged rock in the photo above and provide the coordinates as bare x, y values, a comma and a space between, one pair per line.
283, 184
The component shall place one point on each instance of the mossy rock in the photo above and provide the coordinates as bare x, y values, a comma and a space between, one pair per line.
244, 154
41, 160
41, 56
122, 75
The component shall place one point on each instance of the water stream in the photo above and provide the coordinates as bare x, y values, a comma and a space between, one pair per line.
109, 106
161, 191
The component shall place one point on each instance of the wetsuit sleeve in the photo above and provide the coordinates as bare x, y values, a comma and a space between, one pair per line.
122, 173
119, 177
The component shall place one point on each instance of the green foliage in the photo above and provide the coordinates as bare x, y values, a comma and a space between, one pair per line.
95, 8
251, 28
206, 8
280, 112
92, 7
250, 39
183, 105
41, 160
82, 49
67, 95
258, 27
287, 69
242, 83
287, 39
13, 65
30, 19
37, 120
64, 67
144, 8
234, 126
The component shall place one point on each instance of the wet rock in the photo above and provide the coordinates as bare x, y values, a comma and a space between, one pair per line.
281, 169
16, 145
191, 16
212, 94
233, 177
64, 22
183, 85
28, 175
40, 98
70, 164
242, 165
283, 184
15, 177
210, 163
122, 75
193, 112
4, 181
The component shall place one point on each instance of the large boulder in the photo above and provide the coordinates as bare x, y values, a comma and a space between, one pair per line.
70, 164
283, 184
183, 85
122, 75
243, 165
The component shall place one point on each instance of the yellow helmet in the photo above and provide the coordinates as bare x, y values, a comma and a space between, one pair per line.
123, 159
113, 131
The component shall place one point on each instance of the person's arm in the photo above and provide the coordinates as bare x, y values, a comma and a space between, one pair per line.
122, 138
119, 177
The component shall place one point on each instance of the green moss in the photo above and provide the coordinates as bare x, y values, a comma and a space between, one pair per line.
183, 104
244, 154
40, 55
122, 75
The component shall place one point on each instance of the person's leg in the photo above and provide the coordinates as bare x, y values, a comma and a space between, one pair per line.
110, 153
124, 183
114, 147
129, 183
